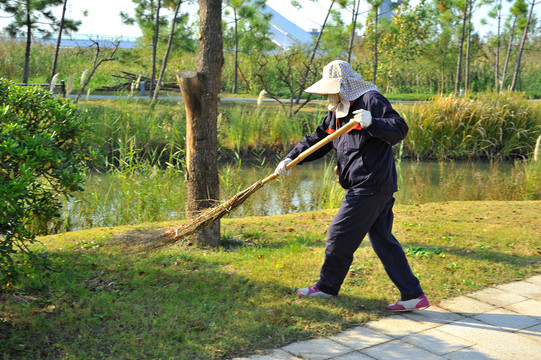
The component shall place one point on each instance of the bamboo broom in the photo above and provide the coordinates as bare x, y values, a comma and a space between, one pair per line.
211, 215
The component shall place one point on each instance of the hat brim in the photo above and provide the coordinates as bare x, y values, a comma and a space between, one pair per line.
325, 86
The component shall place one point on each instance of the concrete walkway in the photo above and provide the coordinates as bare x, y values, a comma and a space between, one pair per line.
500, 322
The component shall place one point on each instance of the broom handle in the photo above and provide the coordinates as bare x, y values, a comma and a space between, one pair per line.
303, 155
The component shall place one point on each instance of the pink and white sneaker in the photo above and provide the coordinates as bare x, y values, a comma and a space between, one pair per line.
314, 292
408, 305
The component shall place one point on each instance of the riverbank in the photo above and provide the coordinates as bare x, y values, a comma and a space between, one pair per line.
109, 301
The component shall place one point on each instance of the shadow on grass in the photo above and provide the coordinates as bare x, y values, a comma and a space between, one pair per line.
107, 305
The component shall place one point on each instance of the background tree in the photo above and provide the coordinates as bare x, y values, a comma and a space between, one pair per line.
336, 32
64, 24
28, 20
464, 20
442, 43
155, 47
522, 44
469, 29
85, 79
495, 13
402, 42
250, 30
280, 75
356, 4
174, 4
304, 79
200, 91
147, 16
372, 30
517, 11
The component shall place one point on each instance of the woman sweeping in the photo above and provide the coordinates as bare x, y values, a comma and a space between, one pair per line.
367, 171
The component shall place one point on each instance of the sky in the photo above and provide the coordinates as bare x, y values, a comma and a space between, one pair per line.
103, 15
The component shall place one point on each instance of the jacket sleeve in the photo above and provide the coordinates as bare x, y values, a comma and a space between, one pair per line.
309, 140
387, 124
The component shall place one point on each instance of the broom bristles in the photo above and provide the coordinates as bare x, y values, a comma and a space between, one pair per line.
204, 219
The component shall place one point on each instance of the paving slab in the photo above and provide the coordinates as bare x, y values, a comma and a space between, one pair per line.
500, 322
434, 314
530, 308
494, 338
360, 337
353, 356
532, 333
399, 350
277, 354
535, 280
497, 297
477, 352
398, 326
466, 305
437, 342
317, 349
507, 319
522, 288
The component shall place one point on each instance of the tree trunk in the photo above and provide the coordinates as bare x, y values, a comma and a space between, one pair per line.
200, 92
497, 59
508, 54
26, 70
468, 47
356, 4
442, 82
521, 49
375, 72
154, 49
58, 40
235, 80
97, 62
305, 77
460, 50
167, 51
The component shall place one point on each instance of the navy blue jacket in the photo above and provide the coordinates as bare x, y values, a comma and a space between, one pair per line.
365, 156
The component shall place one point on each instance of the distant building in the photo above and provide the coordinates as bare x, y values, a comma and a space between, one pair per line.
285, 33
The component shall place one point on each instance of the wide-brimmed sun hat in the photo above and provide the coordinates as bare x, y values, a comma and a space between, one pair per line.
339, 78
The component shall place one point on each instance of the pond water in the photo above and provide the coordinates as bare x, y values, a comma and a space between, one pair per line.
111, 200
314, 186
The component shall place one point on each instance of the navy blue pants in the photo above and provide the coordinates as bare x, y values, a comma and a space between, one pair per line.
359, 215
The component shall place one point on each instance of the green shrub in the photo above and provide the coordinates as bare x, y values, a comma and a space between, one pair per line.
43, 154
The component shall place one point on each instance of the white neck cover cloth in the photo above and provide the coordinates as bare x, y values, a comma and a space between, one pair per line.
342, 84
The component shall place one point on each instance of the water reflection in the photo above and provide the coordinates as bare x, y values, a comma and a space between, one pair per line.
129, 198
313, 185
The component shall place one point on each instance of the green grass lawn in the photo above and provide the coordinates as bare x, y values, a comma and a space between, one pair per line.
110, 300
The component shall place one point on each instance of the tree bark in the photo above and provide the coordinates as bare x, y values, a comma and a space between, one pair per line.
58, 40
356, 4
460, 50
97, 62
314, 50
26, 71
508, 54
235, 79
167, 51
200, 90
521, 49
375, 71
154, 49
468, 50
497, 59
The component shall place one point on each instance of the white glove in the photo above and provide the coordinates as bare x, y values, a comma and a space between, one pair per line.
281, 168
363, 117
